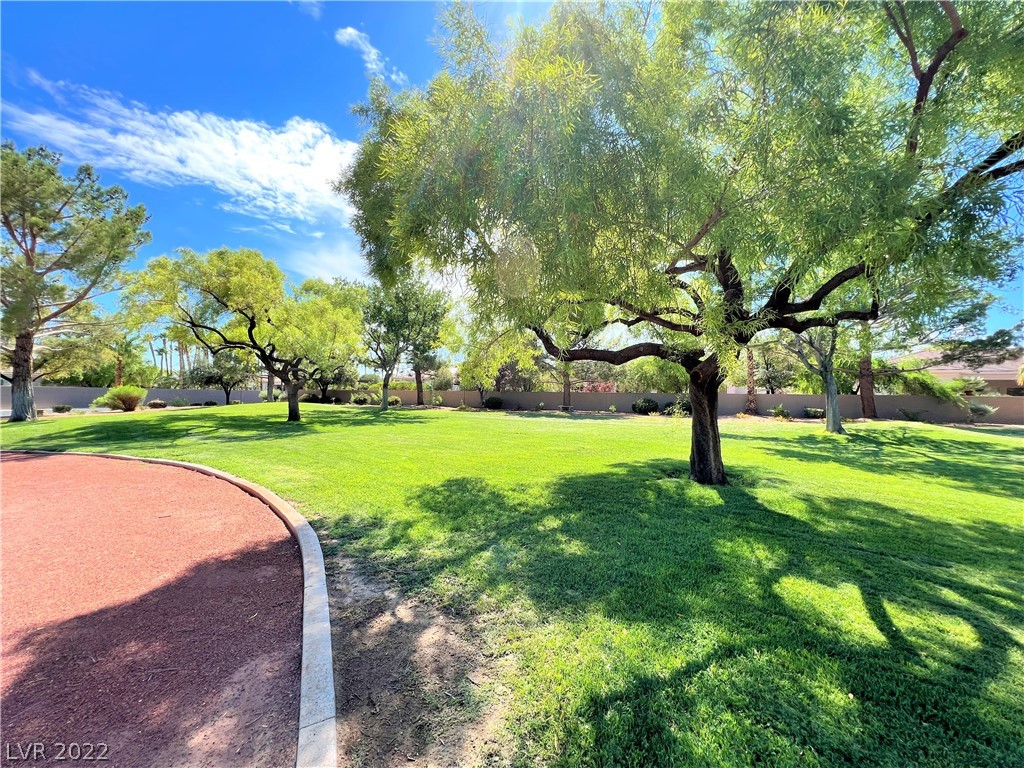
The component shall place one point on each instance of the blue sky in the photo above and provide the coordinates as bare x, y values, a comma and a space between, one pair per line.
228, 120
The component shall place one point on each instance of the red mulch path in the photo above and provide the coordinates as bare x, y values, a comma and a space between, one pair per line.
152, 609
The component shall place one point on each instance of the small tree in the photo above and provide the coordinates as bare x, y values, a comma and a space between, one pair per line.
816, 349
403, 321
228, 370
64, 241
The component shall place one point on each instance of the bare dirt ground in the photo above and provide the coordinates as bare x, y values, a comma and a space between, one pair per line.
149, 609
413, 687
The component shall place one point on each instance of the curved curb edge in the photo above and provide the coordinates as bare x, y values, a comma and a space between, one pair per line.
318, 738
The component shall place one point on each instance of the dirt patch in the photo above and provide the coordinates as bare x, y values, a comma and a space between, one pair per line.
413, 687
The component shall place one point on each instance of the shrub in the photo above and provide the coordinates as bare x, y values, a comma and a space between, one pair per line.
744, 416
493, 403
156, 404
178, 402
977, 411
309, 397
645, 406
263, 395
210, 402
612, 409
359, 398
121, 398
912, 415
196, 405
436, 400
814, 413
236, 402
394, 400
780, 411
681, 407
62, 409
540, 407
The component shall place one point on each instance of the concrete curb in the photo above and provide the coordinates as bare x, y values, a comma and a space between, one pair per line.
318, 738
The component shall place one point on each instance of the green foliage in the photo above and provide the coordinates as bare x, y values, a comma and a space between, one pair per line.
126, 398
442, 381
62, 409
210, 402
493, 403
236, 300
394, 400
814, 413
927, 384
178, 402
970, 385
436, 400
653, 375
680, 407
156, 404
645, 406
978, 411
780, 411
227, 370
359, 398
612, 408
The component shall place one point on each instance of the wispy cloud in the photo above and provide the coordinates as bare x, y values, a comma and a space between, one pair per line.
373, 60
276, 173
326, 257
310, 7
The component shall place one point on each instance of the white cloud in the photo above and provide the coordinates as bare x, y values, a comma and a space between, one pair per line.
269, 172
375, 63
310, 7
326, 258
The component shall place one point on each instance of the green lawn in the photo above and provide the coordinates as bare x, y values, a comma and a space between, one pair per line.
846, 601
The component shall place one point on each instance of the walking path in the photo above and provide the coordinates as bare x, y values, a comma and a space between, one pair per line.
149, 609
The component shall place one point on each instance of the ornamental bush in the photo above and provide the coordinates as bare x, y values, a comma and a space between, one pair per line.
493, 403
62, 409
394, 400
156, 404
126, 398
210, 402
681, 407
359, 398
178, 402
645, 406
814, 413
780, 411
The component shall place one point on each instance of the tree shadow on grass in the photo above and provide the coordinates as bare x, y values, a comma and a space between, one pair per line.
210, 426
874, 637
182, 675
980, 466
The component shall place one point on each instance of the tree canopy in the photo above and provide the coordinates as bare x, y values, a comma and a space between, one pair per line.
64, 241
697, 173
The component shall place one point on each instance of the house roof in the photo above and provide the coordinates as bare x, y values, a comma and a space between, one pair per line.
1005, 370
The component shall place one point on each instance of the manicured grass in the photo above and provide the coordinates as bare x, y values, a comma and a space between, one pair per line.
846, 601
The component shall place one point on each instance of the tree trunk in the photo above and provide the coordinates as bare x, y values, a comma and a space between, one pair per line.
419, 384
292, 388
706, 465
751, 407
385, 384
566, 389
227, 395
866, 385
23, 404
833, 418
181, 359
270, 386
119, 371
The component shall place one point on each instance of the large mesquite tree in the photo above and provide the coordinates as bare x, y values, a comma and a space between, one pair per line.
238, 301
698, 173
63, 242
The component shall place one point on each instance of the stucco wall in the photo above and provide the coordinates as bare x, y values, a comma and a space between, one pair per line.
81, 397
1011, 409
